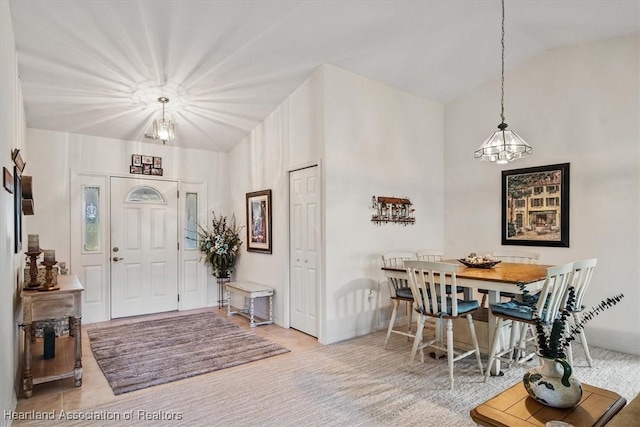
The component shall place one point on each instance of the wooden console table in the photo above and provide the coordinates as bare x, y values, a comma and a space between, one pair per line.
37, 306
249, 291
514, 408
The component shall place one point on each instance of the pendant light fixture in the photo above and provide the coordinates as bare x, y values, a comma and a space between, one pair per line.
504, 145
162, 129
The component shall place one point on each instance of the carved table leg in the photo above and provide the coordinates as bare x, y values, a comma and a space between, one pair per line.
253, 322
270, 308
27, 378
77, 341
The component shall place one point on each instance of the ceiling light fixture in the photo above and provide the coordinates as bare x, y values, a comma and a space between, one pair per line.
504, 145
162, 129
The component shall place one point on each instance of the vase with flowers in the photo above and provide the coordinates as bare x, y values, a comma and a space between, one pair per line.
220, 244
552, 383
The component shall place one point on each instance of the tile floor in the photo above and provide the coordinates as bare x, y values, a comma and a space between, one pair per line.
95, 390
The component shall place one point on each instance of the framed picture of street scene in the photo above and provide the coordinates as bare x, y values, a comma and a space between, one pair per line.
535, 206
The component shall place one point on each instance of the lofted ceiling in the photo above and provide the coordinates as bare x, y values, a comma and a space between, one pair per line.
98, 67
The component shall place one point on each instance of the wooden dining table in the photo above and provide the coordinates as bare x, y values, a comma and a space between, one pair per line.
503, 277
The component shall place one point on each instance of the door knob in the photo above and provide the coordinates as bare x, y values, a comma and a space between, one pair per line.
115, 258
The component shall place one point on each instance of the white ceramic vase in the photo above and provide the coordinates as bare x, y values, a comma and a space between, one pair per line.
553, 384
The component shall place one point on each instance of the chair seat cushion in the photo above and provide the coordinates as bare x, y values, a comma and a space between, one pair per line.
404, 293
513, 308
464, 306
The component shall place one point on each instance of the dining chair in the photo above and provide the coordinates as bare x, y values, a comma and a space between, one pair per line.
582, 272
428, 282
429, 255
523, 257
547, 308
400, 293
435, 255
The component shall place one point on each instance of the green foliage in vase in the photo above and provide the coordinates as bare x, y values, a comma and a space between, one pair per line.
220, 244
553, 339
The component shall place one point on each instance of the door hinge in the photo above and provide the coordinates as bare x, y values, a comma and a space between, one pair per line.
178, 297
178, 245
178, 191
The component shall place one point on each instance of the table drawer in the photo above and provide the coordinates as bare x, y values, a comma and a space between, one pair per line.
53, 306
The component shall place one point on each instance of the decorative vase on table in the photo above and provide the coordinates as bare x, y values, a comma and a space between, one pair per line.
553, 384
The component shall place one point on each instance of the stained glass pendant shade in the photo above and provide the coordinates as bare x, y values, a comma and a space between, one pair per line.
504, 145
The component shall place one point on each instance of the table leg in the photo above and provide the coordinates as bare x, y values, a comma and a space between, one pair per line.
494, 298
271, 308
228, 302
27, 378
77, 341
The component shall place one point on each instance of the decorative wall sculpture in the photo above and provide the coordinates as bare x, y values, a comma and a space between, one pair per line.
392, 210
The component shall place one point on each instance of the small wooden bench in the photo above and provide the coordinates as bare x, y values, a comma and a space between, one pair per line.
250, 291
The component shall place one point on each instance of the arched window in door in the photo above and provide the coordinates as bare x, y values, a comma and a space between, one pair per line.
145, 194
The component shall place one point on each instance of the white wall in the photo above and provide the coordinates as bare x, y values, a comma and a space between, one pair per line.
368, 139
579, 105
52, 155
12, 132
288, 137
384, 142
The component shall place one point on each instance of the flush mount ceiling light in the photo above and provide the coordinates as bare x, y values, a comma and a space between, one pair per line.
504, 145
162, 129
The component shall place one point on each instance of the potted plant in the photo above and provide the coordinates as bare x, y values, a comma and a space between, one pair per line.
552, 384
220, 245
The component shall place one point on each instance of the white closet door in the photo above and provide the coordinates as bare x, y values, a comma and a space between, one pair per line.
305, 249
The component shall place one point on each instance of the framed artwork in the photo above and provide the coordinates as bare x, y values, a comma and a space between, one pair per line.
145, 165
17, 159
535, 206
17, 209
259, 221
7, 180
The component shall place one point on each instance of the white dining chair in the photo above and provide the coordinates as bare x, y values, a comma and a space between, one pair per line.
523, 257
547, 308
400, 293
430, 255
582, 272
428, 281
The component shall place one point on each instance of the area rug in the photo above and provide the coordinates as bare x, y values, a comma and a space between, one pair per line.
143, 354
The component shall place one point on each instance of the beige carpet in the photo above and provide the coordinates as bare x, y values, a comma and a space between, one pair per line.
143, 354
353, 383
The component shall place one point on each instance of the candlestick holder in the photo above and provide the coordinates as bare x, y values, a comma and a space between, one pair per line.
33, 270
48, 277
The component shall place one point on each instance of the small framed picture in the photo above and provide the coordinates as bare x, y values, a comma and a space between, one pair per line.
157, 162
146, 169
136, 160
7, 180
135, 169
17, 159
147, 160
259, 221
156, 171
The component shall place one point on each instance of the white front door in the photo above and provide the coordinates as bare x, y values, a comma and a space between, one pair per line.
305, 249
144, 246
